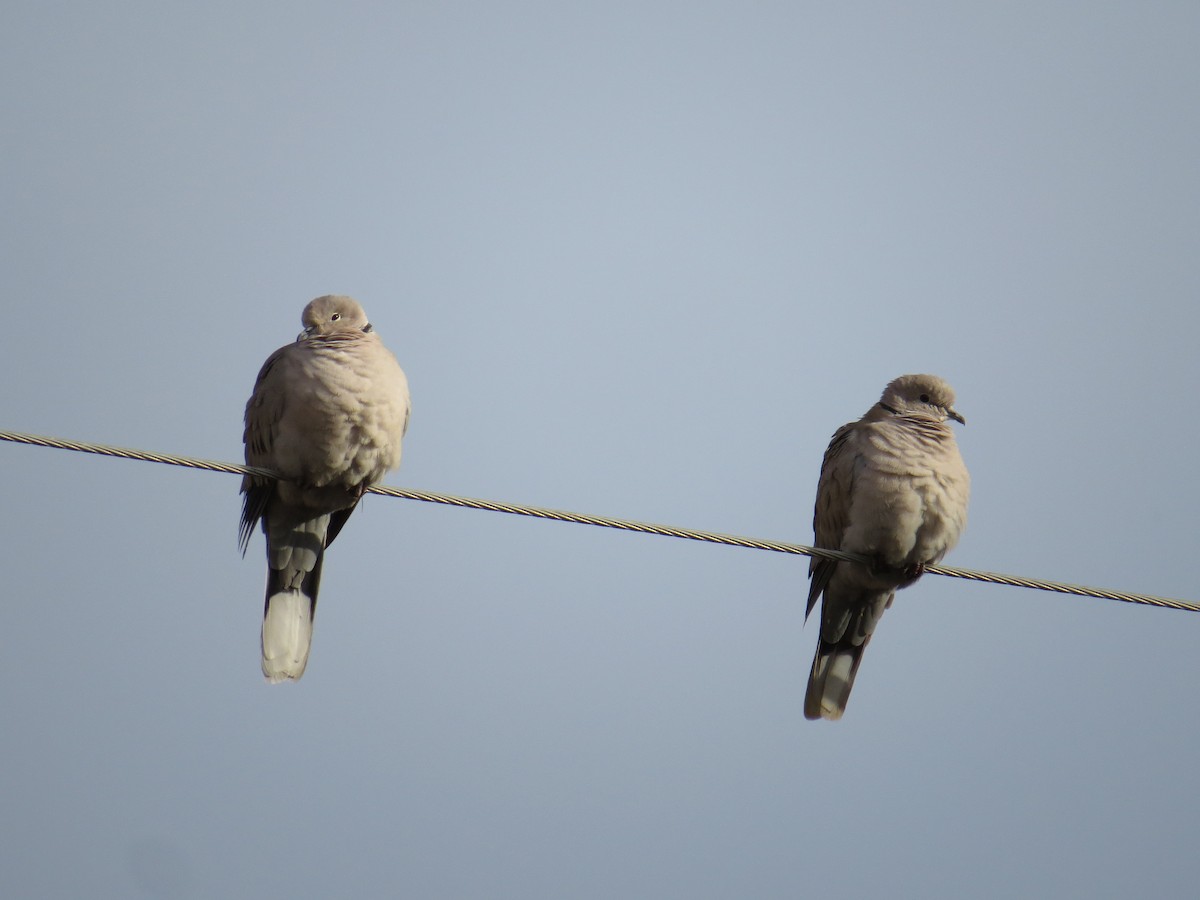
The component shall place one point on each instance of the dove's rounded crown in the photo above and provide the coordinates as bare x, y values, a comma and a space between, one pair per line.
926, 396
331, 314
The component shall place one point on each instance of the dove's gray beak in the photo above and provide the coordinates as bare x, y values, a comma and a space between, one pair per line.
956, 416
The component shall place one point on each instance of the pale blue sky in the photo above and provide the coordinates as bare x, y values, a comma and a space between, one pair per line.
638, 259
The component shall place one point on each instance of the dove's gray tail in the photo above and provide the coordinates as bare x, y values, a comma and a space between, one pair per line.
846, 629
831, 679
294, 556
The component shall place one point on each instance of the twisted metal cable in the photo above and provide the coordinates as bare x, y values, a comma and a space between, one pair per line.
557, 515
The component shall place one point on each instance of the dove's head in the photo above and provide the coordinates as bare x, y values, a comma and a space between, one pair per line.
332, 314
921, 396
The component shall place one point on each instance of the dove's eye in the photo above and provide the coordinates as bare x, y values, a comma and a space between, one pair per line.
924, 398
335, 317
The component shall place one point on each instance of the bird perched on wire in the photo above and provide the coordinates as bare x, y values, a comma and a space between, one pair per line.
894, 489
328, 414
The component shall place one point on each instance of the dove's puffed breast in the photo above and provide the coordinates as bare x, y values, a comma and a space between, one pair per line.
910, 491
329, 410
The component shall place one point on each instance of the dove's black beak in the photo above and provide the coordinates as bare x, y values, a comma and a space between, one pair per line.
956, 416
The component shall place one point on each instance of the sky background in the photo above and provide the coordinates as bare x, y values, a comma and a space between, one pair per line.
639, 260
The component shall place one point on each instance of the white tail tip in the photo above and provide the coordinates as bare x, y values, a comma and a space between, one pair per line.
286, 636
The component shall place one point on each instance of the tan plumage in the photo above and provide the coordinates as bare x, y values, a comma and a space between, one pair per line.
893, 488
328, 413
